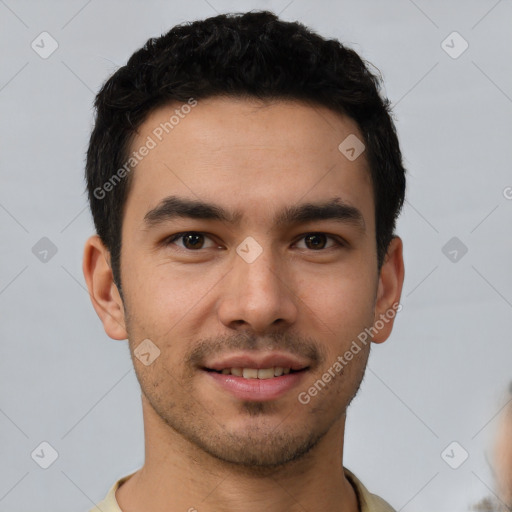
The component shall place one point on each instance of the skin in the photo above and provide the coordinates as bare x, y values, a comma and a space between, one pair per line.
220, 452
503, 456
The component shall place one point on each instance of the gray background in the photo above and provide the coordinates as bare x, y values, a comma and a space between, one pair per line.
443, 374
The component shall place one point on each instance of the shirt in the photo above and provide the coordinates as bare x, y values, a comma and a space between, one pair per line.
367, 502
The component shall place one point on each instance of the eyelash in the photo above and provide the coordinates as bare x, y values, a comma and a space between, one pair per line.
339, 243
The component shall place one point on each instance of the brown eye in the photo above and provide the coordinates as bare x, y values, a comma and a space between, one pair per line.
191, 241
315, 241
318, 241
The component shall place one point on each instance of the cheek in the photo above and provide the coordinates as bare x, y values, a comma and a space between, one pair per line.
163, 296
342, 303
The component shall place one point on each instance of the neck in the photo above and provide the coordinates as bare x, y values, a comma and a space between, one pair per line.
179, 476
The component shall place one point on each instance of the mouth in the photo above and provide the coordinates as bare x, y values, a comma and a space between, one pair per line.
257, 377
257, 373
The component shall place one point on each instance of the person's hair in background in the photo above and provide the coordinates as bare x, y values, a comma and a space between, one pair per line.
501, 463
250, 55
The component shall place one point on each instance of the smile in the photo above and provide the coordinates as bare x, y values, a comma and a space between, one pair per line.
255, 373
256, 384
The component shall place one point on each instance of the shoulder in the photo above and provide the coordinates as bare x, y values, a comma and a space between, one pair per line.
368, 502
109, 503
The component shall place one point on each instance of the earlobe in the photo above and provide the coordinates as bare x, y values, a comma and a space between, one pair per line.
103, 292
389, 291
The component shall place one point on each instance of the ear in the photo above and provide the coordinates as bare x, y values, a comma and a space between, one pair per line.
103, 292
391, 279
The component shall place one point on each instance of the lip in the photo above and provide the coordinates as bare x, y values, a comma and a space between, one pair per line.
256, 390
259, 390
258, 361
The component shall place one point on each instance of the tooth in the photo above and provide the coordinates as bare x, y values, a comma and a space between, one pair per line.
226, 371
278, 371
250, 373
236, 371
266, 373
286, 370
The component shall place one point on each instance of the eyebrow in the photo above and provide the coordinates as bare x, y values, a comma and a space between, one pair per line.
336, 209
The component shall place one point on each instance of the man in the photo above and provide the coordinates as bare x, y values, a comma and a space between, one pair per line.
244, 177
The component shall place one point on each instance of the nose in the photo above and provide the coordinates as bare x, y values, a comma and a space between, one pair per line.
258, 295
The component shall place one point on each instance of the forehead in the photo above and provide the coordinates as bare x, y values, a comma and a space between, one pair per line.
249, 156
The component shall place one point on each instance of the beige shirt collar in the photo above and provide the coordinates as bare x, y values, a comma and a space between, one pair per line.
367, 502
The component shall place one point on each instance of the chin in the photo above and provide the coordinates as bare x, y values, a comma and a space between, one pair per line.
258, 450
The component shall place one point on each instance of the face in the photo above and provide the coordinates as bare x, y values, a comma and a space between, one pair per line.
248, 241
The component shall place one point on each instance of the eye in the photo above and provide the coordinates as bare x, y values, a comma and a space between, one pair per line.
191, 240
195, 240
317, 241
